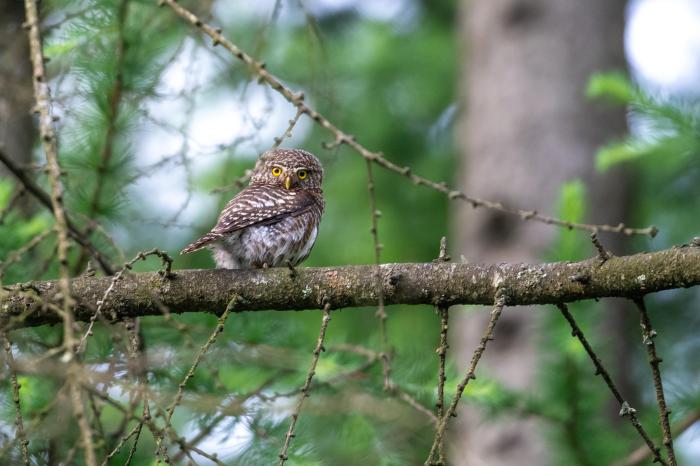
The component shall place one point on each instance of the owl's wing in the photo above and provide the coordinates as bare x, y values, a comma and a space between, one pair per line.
256, 205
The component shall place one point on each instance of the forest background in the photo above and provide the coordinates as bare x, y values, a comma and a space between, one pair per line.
155, 125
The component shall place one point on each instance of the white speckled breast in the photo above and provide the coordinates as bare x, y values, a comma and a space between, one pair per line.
288, 241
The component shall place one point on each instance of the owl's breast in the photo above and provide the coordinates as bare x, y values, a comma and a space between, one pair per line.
288, 241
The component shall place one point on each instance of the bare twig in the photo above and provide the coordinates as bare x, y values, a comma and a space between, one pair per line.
415, 404
48, 136
158, 434
381, 312
198, 359
287, 132
305, 389
625, 409
240, 182
19, 422
443, 312
16, 255
442, 355
297, 99
642, 453
45, 200
499, 303
11, 203
227, 408
648, 335
167, 263
134, 432
603, 255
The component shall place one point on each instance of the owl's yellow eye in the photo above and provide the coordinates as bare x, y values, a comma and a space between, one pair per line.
302, 174
276, 171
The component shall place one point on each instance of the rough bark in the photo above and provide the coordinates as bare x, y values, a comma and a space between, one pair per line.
526, 129
142, 294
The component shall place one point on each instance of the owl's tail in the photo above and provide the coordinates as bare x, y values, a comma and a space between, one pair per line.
201, 242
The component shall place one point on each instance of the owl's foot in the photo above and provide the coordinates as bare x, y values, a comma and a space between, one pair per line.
292, 271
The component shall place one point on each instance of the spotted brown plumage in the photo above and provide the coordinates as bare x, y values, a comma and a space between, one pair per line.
274, 220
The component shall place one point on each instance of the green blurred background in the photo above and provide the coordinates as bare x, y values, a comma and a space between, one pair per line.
159, 124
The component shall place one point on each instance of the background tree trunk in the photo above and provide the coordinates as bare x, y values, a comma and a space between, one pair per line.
16, 130
526, 128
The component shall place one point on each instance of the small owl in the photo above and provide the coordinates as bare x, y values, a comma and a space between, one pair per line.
274, 220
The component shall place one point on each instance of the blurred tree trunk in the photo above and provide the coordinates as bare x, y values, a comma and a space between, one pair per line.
16, 129
527, 128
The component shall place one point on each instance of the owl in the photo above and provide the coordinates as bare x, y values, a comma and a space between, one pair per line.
274, 220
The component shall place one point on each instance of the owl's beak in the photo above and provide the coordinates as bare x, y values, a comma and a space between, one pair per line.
288, 182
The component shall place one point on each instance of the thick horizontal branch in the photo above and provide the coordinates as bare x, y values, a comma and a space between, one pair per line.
447, 283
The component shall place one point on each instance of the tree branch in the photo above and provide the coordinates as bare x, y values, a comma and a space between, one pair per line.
44, 199
150, 293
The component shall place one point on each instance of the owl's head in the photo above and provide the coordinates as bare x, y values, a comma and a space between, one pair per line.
289, 169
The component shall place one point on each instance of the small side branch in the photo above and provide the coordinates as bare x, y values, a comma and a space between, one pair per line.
625, 409
42, 98
202, 351
639, 455
648, 335
167, 263
44, 199
381, 311
470, 375
306, 388
443, 312
19, 422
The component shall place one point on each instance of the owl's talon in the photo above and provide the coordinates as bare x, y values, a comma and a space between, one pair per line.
292, 271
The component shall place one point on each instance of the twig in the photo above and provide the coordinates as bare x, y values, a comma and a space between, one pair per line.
297, 99
45, 200
443, 312
642, 452
603, 255
37, 419
287, 132
305, 389
498, 305
14, 199
134, 432
158, 433
381, 312
415, 404
648, 335
625, 409
372, 358
202, 351
16, 255
190, 373
43, 107
167, 263
21, 435
231, 405
240, 182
